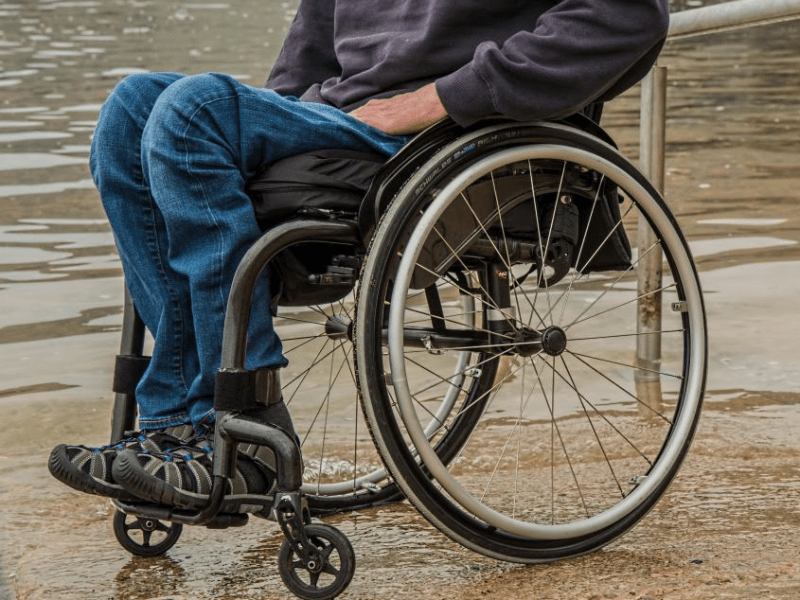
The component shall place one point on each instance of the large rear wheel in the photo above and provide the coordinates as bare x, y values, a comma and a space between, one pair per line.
587, 416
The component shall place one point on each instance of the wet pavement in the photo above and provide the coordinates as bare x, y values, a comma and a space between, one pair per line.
728, 526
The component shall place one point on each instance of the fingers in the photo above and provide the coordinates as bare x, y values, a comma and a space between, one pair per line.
405, 113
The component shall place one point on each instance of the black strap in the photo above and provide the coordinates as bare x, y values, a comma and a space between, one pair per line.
243, 390
128, 370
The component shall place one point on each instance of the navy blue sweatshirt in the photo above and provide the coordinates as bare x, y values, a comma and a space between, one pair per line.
524, 59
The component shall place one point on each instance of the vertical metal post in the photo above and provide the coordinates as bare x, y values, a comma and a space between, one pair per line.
132, 343
651, 142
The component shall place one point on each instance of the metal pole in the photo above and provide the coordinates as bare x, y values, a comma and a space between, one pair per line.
731, 15
651, 143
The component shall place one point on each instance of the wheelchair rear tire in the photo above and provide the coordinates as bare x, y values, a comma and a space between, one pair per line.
574, 439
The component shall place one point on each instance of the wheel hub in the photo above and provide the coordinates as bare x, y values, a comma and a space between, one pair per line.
339, 327
554, 340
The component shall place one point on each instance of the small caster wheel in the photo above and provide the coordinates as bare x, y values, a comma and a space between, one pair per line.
145, 537
329, 569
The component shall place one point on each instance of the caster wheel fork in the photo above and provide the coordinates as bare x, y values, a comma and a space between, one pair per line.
316, 561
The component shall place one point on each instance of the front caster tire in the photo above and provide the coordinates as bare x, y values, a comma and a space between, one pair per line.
329, 569
145, 537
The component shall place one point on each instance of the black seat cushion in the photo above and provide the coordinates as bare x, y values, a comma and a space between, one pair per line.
329, 180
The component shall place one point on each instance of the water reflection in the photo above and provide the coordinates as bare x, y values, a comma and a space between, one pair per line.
37, 249
144, 578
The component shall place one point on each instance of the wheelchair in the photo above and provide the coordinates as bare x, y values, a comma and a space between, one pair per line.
482, 302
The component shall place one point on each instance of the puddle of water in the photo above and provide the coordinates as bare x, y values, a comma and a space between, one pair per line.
29, 255
39, 189
717, 246
752, 337
32, 135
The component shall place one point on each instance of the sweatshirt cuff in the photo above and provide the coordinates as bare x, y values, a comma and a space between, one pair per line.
465, 96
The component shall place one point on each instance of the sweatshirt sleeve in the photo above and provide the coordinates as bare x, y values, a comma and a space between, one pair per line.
307, 56
578, 51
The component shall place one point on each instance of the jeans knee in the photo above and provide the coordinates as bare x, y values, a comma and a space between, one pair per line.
189, 103
134, 96
190, 93
140, 84
126, 111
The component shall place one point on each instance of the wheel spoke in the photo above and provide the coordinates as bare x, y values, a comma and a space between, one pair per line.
622, 275
628, 366
341, 471
146, 534
314, 578
515, 430
618, 306
589, 222
603, 416
644, 405
583, 403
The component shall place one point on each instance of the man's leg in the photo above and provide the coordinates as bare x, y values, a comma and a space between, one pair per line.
160, 294
140, 234
207, 135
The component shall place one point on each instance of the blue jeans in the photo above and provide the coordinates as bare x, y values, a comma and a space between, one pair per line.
170, 157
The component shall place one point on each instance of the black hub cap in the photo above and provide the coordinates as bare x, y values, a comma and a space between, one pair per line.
554, 340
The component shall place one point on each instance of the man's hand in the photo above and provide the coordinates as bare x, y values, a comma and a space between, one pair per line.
403, 114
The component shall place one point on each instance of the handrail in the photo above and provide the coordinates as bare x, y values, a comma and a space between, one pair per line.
688, 23
731, 15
